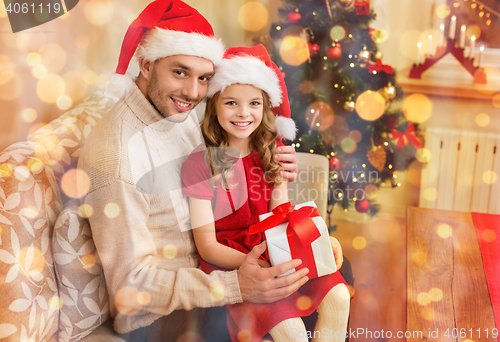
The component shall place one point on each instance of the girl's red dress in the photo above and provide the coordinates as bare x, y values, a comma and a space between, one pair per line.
234, 211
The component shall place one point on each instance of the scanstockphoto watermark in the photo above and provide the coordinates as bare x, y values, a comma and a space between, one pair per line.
359, 333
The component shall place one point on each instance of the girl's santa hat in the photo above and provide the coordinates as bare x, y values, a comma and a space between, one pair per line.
253, 66
166, 28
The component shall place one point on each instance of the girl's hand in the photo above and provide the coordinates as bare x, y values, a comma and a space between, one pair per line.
263, 263
337, 252
286, 156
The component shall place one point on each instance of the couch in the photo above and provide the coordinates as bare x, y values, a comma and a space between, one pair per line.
52, 285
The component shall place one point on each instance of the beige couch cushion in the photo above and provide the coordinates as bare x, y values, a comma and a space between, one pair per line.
29, 204
81, 279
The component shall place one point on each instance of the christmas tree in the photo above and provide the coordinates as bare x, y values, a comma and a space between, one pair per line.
343, 98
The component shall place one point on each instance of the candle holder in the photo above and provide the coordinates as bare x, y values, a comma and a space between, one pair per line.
468, 63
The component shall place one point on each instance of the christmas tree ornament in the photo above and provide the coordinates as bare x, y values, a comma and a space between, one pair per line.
313, 49
378, 55
294, 17
402, 139
362, 206
389, 92
337, 33
362, 7
334, 52
378, 67
377, 157
334, 163
364, 55
349, 105
346, 3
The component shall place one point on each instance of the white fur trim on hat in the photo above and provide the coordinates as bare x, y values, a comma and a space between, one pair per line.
159, 43
286, 127
246, 70
120, 85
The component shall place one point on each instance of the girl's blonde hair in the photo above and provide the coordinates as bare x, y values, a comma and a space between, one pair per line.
217, 142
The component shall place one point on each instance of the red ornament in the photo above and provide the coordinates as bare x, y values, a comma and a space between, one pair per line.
313, 49
362, 7
334, 163
334, 52
293, 17
363, 206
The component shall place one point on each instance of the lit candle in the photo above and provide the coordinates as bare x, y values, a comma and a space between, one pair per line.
472, 46
462, 37
453, 27
429, 52
419, 52
481, 50
441, 38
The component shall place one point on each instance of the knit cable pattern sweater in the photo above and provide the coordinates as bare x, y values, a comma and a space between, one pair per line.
140, 221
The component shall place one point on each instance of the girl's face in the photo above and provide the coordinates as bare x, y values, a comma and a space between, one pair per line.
239, 112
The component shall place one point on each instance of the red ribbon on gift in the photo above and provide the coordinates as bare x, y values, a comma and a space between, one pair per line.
378, 67
301, 232
399, 137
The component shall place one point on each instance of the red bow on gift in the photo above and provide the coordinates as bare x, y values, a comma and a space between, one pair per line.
378, 67
301, 232
410, 137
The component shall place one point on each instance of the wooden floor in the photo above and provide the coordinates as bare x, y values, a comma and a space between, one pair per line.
380, 276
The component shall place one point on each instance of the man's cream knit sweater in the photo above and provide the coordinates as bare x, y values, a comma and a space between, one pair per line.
140, 221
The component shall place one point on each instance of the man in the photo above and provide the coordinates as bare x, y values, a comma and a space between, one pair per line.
133, 156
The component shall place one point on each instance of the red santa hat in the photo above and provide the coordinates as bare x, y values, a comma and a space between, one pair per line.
167, 28
253, 66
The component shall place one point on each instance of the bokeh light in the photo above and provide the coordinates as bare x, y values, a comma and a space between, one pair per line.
371, 191
33, 59
126, 300
253, 16
85, 210
338, 131
76, 87
444, 230
430, 194
82, 41
355, 135
29, 115
143, 298
102, 81
348, 145
417, 108
23, 42
53, 57
443, 11
337, 33
50, 88
370, 105
39, 71
33, 260
489, 177
306, 87
5, 170
482, 119
293, 50
419, 257
473, 31
6, 69
496, 100
408, 43
365, 296
303, 303
423, 155
89, 77
379, 36
244, 335
21, 173
41, 15
359, 243
30, 212
75, 183
488, 235
55, 303
35, 165
423, 299
111, 210
170, 251
319, 116
217, 292
435, 294
428, 313
64, 102
88, 261
11, 89
99, 12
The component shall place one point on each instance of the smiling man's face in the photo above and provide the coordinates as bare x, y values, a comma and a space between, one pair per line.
177, 84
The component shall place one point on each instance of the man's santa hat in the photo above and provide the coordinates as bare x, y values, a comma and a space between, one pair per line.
166, 28
253, 66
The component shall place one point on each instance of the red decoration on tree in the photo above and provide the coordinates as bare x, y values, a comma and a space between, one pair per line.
362, 7
378, 67
363, 206
293, 17
334, 163
409, 135
313, 49
334, 52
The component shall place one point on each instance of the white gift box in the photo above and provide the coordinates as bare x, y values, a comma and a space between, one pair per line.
279, 248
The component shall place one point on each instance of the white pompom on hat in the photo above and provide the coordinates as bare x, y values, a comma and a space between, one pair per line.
253, 66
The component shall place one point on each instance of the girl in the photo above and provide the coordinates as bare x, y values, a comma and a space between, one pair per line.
234, 179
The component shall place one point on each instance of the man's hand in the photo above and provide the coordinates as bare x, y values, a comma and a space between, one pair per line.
337, 252
260, 285
286, 156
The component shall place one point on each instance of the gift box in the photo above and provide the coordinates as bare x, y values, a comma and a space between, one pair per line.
297, 232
